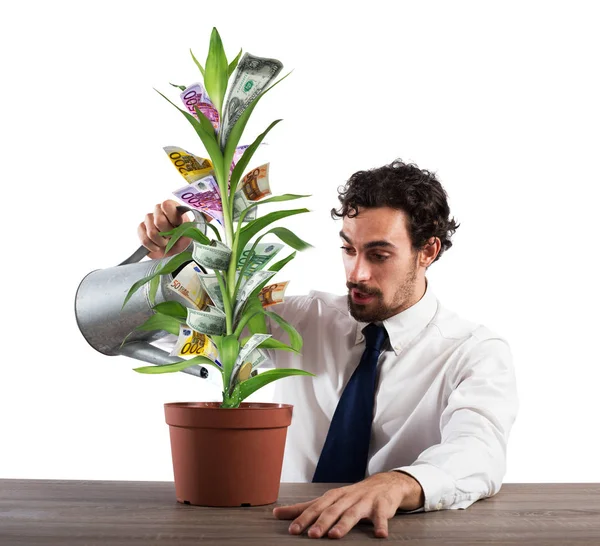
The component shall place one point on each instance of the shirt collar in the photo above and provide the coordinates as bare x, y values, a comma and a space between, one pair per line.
406, 325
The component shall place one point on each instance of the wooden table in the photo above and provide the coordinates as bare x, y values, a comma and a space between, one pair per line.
66, 513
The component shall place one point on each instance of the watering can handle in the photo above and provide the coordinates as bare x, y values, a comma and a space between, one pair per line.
143, 251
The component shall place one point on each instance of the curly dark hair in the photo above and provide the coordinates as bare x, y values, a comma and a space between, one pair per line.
402, 186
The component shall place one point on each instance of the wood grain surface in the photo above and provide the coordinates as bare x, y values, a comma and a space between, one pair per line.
70, 512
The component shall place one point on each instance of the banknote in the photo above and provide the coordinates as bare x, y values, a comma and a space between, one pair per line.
215, 256
252, 76
246, 351
273, 293
196, 95
204, 196
190, 166
210, 321
240, 204
191, 343
262, 254
211, 286
253, 187
237, 154
255, 184
248, 287
188, 286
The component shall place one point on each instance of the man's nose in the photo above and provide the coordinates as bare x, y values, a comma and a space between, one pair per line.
359, 271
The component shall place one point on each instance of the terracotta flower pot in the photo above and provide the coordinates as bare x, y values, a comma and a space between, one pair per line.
227, 457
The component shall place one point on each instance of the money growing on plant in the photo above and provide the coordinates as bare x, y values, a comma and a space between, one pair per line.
223, 280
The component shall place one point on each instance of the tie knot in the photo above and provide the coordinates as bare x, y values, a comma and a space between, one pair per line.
374, 336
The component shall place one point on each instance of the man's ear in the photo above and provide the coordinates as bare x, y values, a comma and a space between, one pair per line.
429, 251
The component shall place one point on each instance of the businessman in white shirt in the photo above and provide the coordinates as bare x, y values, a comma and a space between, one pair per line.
433, 395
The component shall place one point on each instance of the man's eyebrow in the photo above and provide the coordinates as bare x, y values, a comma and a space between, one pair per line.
369, 245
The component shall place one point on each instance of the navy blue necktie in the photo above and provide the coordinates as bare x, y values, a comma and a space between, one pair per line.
346, 450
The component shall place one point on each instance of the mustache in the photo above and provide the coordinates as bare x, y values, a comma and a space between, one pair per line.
364, 289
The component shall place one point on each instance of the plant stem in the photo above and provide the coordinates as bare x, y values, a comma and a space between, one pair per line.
226, 302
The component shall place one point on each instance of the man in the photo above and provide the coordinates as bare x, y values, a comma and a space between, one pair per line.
431, 433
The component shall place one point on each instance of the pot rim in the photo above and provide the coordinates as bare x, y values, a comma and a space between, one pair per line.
249, 406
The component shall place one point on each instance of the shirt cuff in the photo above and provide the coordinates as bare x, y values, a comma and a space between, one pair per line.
438, 487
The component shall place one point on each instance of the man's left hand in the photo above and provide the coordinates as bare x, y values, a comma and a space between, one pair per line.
336, 512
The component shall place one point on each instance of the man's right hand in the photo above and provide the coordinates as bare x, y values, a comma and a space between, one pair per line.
164, 218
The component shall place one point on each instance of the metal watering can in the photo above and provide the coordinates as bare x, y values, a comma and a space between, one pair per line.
104, 325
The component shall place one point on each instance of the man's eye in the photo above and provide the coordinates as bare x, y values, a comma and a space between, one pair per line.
380, 257
346, 249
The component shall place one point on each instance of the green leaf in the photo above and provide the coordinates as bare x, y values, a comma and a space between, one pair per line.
230, 348
271, 343
216, 73
208, 138
289, 238
172, 309
187, 229
295, 337
278, 198
254, 383
177, 367
257, 225
280, 264
200, 67
233, 64
236, 132
153, 288
256, 323
182, 87
241, 165
161, 322
216, 231
204, 121
175, 262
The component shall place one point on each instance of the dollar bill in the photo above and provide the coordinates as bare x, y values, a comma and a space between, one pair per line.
210, 321
191, 343
204, 196
248, 287
252, 76
240, 204
196, 95
273, 293
245, 352
211, 286
262, 254
190, 166
215, 256
188, 286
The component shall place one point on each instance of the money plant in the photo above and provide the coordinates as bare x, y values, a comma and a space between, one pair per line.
220, 316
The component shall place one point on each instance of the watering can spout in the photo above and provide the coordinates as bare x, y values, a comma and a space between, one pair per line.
105, 323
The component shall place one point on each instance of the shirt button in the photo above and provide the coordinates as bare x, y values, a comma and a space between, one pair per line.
439, 506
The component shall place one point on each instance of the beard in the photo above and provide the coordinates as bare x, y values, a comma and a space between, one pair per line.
377, 310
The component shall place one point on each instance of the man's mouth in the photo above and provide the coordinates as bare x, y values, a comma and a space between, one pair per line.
360, 297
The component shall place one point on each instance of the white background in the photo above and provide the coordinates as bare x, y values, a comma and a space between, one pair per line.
499, 98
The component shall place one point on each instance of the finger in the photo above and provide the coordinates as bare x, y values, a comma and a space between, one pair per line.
330, 516
292, 511
152, 232
348, 520
312, 513
175, 218
161, 221
380, 524
145, 240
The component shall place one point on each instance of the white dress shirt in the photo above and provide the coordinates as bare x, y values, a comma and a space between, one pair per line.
445, 397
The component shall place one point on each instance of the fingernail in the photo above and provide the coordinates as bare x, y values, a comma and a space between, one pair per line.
314, 531
294, 528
